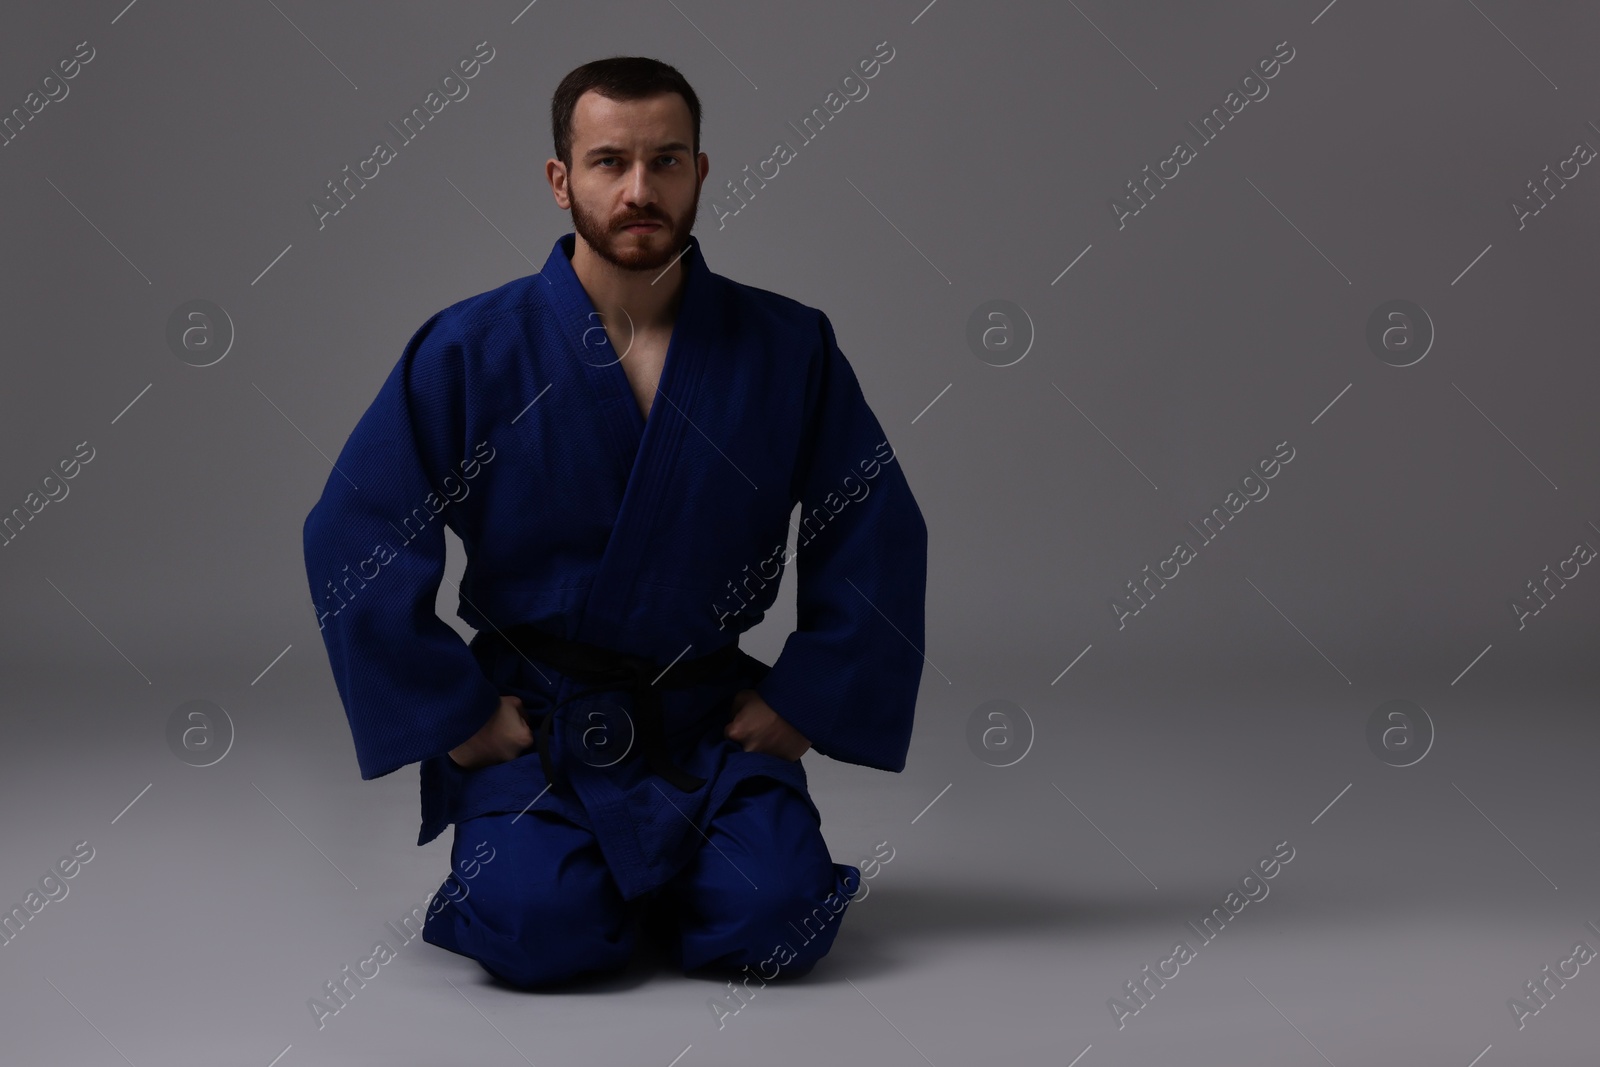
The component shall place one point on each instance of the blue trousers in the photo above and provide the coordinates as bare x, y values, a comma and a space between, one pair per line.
761, 891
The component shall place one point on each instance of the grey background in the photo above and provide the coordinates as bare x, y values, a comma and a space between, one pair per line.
1224, 318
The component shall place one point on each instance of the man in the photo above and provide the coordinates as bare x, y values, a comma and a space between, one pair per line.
619, 441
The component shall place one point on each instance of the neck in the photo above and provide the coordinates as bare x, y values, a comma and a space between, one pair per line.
647, 298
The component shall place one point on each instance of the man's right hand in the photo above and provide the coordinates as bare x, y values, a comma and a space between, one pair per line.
504, 737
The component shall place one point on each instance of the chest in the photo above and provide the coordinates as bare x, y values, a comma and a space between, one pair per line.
642, 364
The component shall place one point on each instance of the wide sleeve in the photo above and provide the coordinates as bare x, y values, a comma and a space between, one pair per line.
847, 677
375, 553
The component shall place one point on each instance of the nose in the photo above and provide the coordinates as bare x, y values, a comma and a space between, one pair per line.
640, 189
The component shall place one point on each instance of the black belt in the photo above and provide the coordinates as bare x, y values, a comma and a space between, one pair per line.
606, 670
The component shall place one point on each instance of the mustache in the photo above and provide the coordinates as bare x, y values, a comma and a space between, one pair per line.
632, 219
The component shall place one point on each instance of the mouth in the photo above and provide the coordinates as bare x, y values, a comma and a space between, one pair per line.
642, 227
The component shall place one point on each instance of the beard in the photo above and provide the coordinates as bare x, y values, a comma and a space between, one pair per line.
625, 250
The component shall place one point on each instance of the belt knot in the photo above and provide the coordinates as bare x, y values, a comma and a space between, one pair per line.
602, 669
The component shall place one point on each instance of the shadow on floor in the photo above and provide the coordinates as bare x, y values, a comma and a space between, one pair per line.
881, 932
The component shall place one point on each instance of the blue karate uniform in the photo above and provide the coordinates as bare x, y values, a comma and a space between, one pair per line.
509, 418
762, 897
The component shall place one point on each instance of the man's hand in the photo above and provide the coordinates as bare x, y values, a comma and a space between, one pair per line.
503, 738
759, 728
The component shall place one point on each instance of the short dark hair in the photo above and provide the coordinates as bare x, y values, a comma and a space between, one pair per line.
618, 78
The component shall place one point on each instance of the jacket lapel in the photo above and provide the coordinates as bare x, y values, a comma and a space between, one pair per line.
644, 449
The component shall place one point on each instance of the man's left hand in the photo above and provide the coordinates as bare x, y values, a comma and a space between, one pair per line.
757, 727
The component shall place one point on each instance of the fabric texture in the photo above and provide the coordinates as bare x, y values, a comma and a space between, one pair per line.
761, 893
509, 419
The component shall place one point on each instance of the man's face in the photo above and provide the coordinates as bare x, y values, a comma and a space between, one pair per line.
634, 183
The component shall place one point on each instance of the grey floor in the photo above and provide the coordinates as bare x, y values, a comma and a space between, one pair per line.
1172, 353
1018, 901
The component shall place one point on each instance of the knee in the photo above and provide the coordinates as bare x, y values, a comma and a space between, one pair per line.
532, 935
806, 900
773, 899
796, 910
561, 937
815, 926
784, 930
